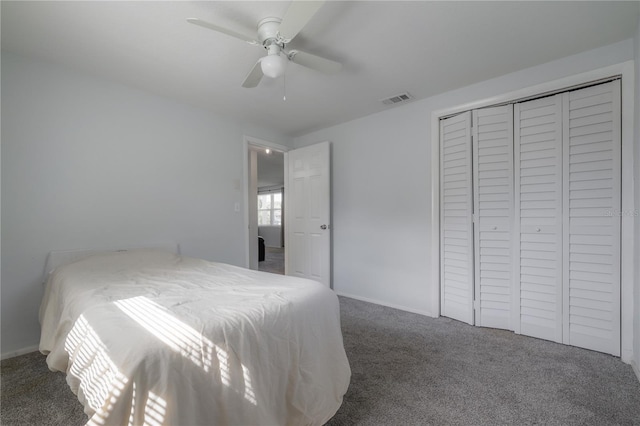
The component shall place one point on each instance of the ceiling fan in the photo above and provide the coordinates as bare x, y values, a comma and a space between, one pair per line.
274, 34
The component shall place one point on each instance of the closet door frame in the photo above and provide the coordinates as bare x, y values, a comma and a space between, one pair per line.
625, 71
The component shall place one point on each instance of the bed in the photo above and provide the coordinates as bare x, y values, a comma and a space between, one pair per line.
147, 336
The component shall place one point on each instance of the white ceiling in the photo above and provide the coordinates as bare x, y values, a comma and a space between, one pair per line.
386, 48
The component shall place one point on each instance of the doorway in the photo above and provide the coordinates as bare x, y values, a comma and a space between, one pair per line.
265, 205
270, 185
307, 203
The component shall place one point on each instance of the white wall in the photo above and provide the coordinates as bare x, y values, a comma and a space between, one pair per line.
381, 185
272, 235
90, 163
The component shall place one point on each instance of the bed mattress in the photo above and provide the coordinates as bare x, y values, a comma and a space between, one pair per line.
149, 337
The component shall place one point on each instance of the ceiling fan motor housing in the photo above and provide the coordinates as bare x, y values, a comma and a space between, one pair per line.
274, 63
274, 34
268, 30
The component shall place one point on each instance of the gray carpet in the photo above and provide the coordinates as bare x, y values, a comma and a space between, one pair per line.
32, 395
412, 370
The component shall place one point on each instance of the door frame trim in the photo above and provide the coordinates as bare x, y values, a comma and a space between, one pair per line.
625, 71
247, 142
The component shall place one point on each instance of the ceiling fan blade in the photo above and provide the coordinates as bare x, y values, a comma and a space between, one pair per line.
223, 30
254, 76
296, 17
315, 62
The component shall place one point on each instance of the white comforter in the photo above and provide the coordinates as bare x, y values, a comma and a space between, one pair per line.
148, 337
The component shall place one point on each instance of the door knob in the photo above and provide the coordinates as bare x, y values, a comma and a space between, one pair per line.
323, 226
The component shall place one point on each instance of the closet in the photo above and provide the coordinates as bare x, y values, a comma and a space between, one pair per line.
530, 199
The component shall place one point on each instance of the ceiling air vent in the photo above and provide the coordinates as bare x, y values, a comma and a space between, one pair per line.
402, 97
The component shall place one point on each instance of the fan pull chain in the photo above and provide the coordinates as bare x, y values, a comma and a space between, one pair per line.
284, 86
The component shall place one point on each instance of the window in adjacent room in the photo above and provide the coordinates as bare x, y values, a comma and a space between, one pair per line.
270, 209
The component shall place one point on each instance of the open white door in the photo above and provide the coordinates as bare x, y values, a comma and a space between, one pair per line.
308, 235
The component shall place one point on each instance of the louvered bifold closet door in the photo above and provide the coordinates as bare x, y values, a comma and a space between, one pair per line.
493, 207
592, 188
456, 230
538, 217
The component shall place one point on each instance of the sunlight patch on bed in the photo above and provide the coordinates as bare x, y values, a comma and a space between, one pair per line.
155, 410
187, 341
249, 395
100, 379
176, 334
153, 413
102, 384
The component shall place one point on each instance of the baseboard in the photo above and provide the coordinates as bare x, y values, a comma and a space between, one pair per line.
19, 352
390, 305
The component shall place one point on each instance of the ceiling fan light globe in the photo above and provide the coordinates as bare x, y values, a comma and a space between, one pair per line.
273, 65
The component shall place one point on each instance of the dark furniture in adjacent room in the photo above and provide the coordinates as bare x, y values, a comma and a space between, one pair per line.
260, 249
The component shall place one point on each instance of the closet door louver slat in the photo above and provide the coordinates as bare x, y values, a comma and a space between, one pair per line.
456, 230
538, 218
592, 191
493, 207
